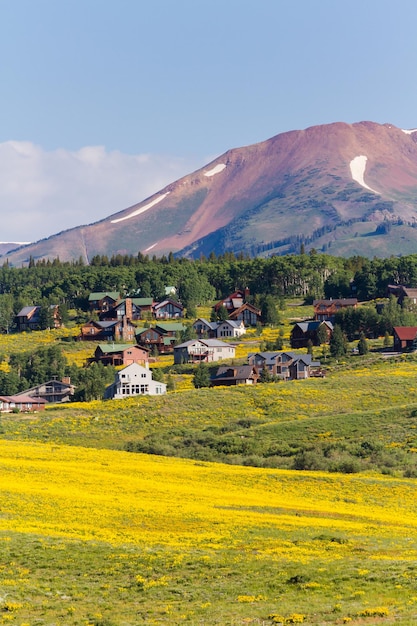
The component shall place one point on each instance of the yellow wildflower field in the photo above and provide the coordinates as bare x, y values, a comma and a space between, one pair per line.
105, 537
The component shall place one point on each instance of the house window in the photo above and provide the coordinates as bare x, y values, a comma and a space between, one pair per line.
144, 388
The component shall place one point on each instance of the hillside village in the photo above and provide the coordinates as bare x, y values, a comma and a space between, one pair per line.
302, 375
143, 342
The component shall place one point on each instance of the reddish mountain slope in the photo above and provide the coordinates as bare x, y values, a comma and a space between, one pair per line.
348, 187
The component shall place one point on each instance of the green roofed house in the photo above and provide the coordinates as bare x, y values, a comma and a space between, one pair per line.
120, 354
102, 300
133, 308
162, 337
170, 328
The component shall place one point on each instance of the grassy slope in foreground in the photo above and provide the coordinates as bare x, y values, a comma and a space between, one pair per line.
104, 537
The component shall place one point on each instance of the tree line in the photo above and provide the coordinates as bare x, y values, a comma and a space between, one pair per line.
313, 275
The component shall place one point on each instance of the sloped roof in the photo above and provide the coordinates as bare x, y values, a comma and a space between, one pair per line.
142, 301
405, 333
23, 398
212, 325
117, 347
312, 325
410, 292
57, 384
158, 305
140, 331
170, 326
339, 301
234, 372
232, 323
245, 306
99, 295
210, 343
270, 357
108, 324
26, 310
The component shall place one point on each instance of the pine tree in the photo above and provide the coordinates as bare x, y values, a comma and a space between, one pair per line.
363, 347
170, 383
322, 334
269, 311
265, 376
338, 343
201, 376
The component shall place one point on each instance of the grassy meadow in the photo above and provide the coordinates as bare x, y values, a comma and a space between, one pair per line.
109, 538
100, 524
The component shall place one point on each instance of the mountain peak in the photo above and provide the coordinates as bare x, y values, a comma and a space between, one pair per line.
329, 186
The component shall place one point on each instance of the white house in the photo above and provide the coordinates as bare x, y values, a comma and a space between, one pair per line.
134, 380
208, 350
228, 328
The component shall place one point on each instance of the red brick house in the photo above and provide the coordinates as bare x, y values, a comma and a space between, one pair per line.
120, 354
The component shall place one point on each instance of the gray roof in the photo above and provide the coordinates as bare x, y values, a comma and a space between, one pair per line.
313, 325
270, 357
106, 324
168, 301
212, 325
26, 310
232, 323
241, 372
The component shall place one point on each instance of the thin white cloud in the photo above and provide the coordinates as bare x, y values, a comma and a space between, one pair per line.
42, 193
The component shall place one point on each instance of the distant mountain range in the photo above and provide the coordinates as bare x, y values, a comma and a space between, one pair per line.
342, 188
7, 246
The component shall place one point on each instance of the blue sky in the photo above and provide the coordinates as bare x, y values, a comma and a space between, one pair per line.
103, 103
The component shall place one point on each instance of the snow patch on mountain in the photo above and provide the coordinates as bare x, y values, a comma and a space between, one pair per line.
357, 169
409, 132
152, 246
141, 210
215, 170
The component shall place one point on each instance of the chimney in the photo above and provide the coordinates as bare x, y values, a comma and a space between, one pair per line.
129, 308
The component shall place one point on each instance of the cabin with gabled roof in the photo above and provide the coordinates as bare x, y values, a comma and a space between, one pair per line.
120, 354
